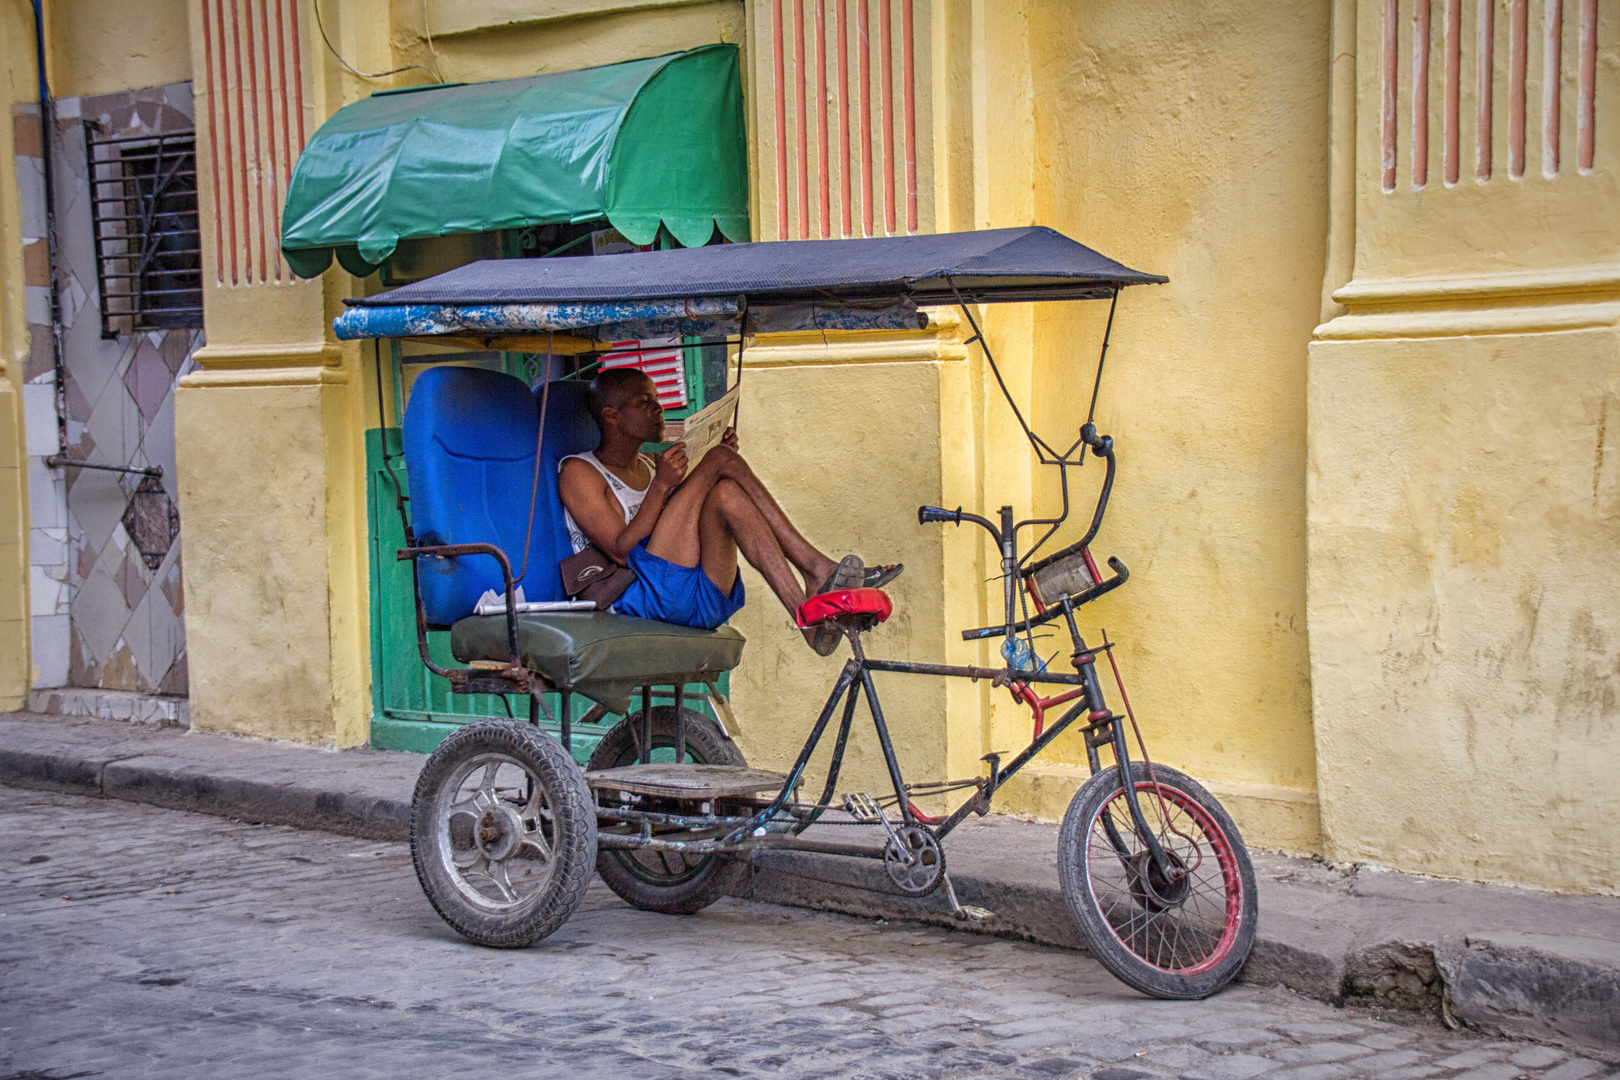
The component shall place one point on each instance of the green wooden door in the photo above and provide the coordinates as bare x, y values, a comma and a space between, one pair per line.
413, 709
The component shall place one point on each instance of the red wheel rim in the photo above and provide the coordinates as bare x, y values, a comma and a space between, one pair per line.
1186, 937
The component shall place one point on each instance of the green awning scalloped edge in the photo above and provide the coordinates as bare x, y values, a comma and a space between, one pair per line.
643, 143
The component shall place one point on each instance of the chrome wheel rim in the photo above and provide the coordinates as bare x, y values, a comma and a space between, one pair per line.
495, 833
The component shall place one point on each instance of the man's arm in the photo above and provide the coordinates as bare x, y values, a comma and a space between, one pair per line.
598, 514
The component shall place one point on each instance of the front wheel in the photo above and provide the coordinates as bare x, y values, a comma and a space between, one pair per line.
1182, 934
503, 833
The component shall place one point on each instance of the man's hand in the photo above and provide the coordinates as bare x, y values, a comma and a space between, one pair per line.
671, 467
729, 439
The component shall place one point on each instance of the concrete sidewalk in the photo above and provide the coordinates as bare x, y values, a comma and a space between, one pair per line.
1529, 964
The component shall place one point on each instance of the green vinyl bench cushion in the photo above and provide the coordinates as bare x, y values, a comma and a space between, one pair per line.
601, 655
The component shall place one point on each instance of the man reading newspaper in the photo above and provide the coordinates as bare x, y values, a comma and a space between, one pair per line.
679, 523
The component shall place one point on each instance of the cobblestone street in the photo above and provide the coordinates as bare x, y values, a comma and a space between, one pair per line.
143, 942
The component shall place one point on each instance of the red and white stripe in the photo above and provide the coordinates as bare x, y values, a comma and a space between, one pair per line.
665, 366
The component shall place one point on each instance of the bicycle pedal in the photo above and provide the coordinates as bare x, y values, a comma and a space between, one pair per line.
862, 807
969, 913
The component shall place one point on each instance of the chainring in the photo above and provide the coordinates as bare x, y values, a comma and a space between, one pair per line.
914, 860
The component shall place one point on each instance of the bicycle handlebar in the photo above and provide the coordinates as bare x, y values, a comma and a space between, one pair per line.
1102, 446
925, 514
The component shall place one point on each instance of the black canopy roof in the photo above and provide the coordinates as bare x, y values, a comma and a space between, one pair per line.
1033, 263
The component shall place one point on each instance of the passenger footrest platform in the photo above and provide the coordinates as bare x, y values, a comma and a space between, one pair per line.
673, 781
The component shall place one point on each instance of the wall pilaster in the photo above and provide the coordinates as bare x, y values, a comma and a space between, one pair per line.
266, 427
1462, 494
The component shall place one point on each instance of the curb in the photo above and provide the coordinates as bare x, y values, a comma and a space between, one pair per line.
1378, 939
178, 784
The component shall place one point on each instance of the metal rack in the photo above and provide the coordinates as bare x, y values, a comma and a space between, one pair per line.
148, 243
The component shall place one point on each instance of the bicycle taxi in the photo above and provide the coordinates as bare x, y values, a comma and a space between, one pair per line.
507, 828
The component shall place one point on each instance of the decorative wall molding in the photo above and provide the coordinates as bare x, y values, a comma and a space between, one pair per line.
841, 89
1525, 303
1497, 41
267, 365
254, 118
296, 376
448, 19
1471, 322
1540, 284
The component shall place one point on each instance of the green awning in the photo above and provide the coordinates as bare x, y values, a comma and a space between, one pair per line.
643, 143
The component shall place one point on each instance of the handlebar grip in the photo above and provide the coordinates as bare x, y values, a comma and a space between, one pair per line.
925, 514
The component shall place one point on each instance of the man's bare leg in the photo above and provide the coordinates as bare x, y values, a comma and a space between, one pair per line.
677, 538
731, 522
800, 552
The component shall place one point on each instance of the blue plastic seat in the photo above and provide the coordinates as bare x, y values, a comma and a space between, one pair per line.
470, 440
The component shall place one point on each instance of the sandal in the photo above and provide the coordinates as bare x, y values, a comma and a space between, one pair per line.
879, 576
850, 573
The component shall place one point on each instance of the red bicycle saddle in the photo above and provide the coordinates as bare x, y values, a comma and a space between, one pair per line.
833, 605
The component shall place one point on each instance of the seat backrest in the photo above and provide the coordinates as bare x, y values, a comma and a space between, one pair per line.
470, 440
569, 430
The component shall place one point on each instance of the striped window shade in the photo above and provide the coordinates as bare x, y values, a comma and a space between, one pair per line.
663, 359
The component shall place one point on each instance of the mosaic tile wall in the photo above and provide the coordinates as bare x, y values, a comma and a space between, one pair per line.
105, 615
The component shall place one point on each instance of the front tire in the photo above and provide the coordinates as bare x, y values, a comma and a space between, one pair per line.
1180, 937
664, 881
503, 833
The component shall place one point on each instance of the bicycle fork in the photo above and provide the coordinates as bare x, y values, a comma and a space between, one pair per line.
1105, 729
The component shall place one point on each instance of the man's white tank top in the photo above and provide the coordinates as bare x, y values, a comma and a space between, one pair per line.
628, 497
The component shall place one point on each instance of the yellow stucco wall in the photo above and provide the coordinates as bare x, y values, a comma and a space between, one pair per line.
105, 46
1462, 496
17, 42
822, 464
1156, 134
1465, 604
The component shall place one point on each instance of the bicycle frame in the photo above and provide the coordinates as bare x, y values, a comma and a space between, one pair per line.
780, 823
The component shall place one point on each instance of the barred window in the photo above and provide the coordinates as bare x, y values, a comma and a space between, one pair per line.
143, 207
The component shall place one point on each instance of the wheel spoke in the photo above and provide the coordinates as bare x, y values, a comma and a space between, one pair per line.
486, 798
1126, 888
536, 838
497, 874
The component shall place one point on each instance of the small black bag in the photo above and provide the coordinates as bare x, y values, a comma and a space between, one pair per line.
590, 575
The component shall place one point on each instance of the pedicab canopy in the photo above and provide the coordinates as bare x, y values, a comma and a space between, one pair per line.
644, 143
761, 287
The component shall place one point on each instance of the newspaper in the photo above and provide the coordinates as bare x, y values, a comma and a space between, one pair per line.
703, 430
493, 603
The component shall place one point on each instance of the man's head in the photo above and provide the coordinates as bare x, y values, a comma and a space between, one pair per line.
627, 400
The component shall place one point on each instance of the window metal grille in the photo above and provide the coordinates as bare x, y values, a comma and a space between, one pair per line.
143, 210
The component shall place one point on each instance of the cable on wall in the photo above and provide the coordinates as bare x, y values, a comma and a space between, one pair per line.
434, 70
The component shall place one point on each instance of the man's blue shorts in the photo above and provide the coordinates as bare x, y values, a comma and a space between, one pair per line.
671, 593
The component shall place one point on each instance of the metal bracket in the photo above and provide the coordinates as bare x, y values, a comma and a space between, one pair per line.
722, 711
61, 461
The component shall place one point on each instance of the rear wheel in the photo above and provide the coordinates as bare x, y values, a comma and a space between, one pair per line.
1182, 934
503, 833
666, 881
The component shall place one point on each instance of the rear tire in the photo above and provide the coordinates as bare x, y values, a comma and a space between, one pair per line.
1183, 939
667, 882
503, 833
